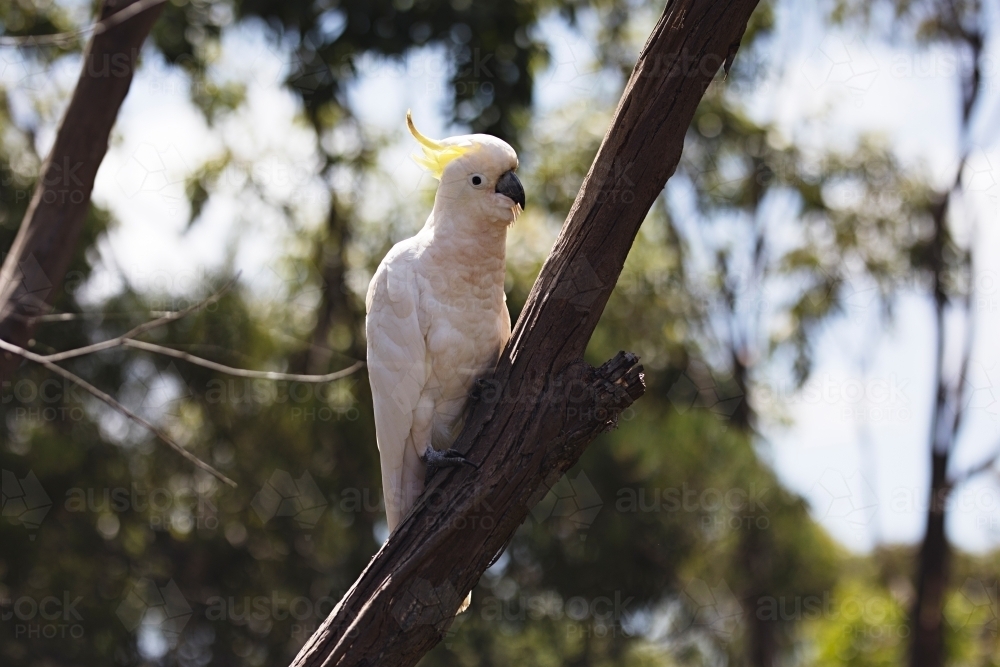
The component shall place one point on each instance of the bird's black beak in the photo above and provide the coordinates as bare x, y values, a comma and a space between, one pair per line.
509, 185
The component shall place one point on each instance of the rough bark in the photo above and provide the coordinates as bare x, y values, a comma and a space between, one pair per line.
544, 404
34, 269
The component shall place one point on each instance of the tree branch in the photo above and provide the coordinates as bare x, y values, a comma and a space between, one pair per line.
983, 466
102, 26
126, 340
94, 391
166, 318
240, 372
544, 404
46, 241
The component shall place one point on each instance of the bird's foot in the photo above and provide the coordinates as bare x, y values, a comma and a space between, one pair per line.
483, 389
446, 458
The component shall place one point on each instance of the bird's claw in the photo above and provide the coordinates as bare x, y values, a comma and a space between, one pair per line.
446, 458
478, 387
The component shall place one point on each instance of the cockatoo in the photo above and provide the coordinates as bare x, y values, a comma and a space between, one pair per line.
437, 313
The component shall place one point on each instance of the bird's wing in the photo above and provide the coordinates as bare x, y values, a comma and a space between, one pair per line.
397, 372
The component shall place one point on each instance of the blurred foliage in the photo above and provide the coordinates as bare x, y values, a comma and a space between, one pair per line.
491, 52
679, 545
23, 18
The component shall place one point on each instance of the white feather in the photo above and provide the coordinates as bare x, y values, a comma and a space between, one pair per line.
437, 320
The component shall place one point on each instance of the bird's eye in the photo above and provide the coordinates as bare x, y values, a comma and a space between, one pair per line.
477, 180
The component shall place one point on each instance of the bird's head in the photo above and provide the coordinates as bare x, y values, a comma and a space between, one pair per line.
476, 173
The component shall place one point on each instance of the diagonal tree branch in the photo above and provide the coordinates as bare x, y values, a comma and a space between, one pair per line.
544, 404
46, 241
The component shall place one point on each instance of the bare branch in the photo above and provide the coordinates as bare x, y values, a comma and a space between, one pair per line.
239, 372
126, 340
142, 328
97, 28
94, 391
56, 318
983, 466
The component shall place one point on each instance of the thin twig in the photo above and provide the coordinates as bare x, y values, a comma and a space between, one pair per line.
239, 372
127, 340
142, 328
98, 28
80, 382
51, 318
982, 467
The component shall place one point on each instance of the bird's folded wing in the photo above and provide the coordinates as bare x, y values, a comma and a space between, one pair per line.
396, 368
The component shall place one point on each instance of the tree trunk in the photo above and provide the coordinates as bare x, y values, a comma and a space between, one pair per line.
927, 613
335, 304
32, 273
532, 421
927, 620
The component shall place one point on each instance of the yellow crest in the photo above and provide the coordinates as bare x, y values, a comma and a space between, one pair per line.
436, 155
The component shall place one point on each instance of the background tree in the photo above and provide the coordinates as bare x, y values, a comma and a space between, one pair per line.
944, 262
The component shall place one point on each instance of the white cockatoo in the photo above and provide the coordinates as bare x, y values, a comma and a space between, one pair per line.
437, 313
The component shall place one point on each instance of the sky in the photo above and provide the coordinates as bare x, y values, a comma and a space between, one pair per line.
858, 445
855, 444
